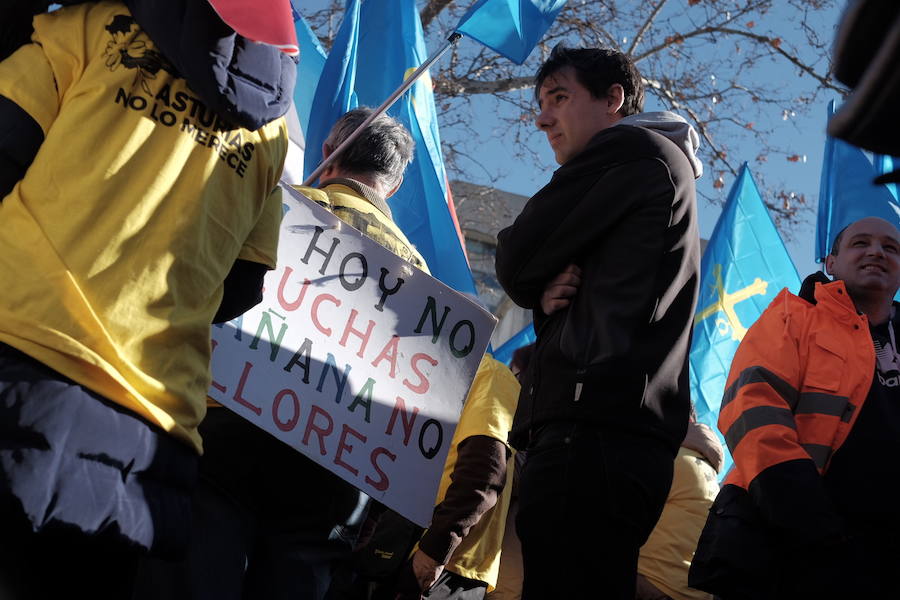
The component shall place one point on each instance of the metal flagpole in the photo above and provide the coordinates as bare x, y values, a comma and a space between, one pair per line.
451, 41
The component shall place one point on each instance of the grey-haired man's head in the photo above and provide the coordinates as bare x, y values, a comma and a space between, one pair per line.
378, 157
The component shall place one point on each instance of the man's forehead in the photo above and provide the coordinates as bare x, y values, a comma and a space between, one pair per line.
873, 227
553, 83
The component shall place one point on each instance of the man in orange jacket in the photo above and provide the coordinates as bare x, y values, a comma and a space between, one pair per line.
811, 414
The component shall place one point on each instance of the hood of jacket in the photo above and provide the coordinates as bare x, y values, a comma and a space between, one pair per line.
247, 83
808, 287
675, 128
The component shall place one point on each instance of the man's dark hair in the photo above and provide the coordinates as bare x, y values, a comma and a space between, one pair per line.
382, 151
597, 69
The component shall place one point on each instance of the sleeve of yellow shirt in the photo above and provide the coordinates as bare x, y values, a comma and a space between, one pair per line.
27, 79
261, 245
37, 75
491, 403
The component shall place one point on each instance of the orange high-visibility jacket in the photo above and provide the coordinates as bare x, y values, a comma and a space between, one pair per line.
797, 383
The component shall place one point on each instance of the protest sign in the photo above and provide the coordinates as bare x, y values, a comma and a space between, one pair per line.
354, 358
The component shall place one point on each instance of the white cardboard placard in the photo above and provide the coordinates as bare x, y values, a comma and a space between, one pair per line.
362, 373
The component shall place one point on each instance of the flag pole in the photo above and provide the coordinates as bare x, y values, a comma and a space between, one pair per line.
451, 41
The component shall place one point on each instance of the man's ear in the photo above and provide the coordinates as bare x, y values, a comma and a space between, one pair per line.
328, 173
829, 263
615, 98
396, 187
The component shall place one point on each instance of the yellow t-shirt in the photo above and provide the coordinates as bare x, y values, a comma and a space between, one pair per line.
666, 557
489, 411
115, 245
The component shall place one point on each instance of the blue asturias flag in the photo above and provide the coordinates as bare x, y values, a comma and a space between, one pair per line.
309, 70
391, 46
744, 267
846, 192
510, 27
335, 92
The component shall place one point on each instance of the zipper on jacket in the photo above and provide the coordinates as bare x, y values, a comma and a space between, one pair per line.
579, 383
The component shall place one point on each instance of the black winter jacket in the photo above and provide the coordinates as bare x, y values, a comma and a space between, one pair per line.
624, 211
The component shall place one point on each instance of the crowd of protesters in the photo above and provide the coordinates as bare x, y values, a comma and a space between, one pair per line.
578, 472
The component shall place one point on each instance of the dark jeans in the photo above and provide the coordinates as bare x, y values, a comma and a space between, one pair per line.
267, 522
86, 487
588, 500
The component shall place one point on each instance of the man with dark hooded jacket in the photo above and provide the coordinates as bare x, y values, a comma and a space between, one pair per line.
140, 151
607, 255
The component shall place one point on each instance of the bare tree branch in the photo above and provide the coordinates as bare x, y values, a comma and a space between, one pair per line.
645, 27
701, 124
774, 43
432, 10
460, 87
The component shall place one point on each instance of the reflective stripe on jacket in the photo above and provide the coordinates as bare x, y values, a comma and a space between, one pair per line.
797, 382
